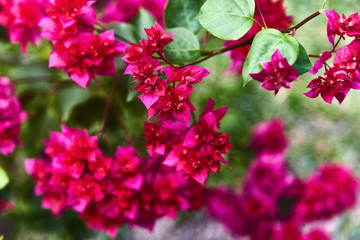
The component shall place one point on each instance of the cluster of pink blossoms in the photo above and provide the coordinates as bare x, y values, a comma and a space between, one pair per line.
276, 204
344, 74
11, 117
126, 10
272, 14
69, 25
21, 18
196, 150
108, 191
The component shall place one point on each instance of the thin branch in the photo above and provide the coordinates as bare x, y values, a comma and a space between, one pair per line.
300, 24
128, 137
108, 105
323, 5
203, 44
117, 36
249, 41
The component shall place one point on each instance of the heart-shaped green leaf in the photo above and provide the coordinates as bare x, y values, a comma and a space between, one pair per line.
227, 19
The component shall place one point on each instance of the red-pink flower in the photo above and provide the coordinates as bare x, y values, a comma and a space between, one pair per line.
66, 19
269, 137
11, 117
174, 104
125, 167
21, 18
342, 25
338, 79
330, 190
126, 10
276, 74
202, 147
91, 55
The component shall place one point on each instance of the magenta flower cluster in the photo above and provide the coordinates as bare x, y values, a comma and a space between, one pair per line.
11, 117
69, 25
196, 150
21, 18
108, 191
344, 75
274, 203
126, 10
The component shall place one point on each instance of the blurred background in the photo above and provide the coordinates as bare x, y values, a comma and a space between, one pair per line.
317, 131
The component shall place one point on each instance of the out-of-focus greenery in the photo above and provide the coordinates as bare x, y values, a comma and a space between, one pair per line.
317, 131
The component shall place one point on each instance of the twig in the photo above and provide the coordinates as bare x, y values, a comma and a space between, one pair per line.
249, 41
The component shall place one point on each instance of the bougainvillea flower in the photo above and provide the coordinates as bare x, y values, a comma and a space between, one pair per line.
11, 117
330, 190
91, 55
186, 75
336, 84
317, 234
319, 63
201, 149
126, 10
125, 166
269, 137
342, 25
174, 104
276, 74
21, 18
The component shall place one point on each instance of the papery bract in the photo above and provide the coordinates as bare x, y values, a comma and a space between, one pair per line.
91, 55
11, 117
330, 190
21, 18
269, 137
276, 74
341, 25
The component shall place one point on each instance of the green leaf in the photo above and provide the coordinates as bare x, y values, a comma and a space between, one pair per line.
71, 97
141, 21
227, 19
4, 179
125, 30
264, 45
185, 47
302, 64
182, 13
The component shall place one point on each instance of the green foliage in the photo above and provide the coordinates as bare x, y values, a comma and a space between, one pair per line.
227, 19
182, 13
4, 179
264, 45
141, 21
302, 64
71, 97
185, 47
126, 30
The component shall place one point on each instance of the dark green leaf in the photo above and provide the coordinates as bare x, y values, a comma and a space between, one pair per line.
126, 31
69, 98
143, 20
185, 47
182, 13
302, 64
227, 19
264, 45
